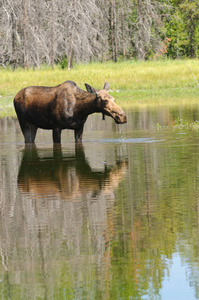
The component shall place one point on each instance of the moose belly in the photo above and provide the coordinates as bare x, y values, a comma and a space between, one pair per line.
50, 121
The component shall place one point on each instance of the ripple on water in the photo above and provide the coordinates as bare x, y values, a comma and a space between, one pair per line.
128, 140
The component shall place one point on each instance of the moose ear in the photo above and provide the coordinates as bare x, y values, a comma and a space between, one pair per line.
90, 89
106, 86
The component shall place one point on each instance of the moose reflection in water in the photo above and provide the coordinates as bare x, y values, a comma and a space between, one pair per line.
68, 208
66, 177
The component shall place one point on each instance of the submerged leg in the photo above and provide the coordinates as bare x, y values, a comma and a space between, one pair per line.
57, 136
29, 131
79, 134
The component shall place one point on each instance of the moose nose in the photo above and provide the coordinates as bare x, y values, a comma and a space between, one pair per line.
123, 118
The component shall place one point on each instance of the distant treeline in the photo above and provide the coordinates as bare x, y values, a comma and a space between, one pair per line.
35, 32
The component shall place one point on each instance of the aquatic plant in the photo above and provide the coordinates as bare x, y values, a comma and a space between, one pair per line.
182, 124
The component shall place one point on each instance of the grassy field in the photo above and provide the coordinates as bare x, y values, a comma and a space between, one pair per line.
132, 83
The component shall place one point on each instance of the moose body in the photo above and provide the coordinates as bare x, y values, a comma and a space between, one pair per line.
65, 106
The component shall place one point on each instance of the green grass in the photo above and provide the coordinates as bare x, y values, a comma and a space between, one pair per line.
6, 107
132, 83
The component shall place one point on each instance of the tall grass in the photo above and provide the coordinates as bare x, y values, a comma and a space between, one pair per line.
131, 82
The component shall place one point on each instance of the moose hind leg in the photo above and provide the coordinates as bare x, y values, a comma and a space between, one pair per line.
79, 134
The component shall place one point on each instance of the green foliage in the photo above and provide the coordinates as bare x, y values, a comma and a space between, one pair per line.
64, 62
183, 28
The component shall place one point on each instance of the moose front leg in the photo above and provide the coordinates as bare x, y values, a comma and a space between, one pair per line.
29, 132
79, 134
56, 135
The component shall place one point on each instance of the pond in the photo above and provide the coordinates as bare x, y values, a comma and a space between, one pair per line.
115, 218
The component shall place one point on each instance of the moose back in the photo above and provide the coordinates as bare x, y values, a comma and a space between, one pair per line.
65, 106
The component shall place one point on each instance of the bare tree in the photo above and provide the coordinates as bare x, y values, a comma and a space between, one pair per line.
82, 30
25, 33
8, 33
124, 30
103, 38
124, 26
52, 21
33, 32
148, 20
113, 30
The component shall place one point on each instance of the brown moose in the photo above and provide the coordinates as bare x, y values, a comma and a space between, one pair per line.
65, 106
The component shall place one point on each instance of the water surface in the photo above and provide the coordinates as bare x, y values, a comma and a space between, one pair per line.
115, 218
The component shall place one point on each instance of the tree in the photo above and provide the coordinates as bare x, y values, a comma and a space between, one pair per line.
120, 33
113, 30
148, 28
125, 10
52, 21
25, 34
33, 32
9, 38
190, 11
82, 30
183, 29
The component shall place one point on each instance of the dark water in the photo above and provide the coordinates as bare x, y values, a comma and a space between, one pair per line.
117, 218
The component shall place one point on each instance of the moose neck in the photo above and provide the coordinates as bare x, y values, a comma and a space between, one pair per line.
87, 104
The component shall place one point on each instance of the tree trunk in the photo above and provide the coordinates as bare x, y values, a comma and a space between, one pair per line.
113, 31
37, 34
52, 53
140, 45
71, 50
191, 38
14, 42
25, 33
123, 30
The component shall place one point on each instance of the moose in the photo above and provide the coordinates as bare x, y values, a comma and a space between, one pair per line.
65, 106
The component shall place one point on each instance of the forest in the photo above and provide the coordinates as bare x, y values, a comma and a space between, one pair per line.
36, 32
